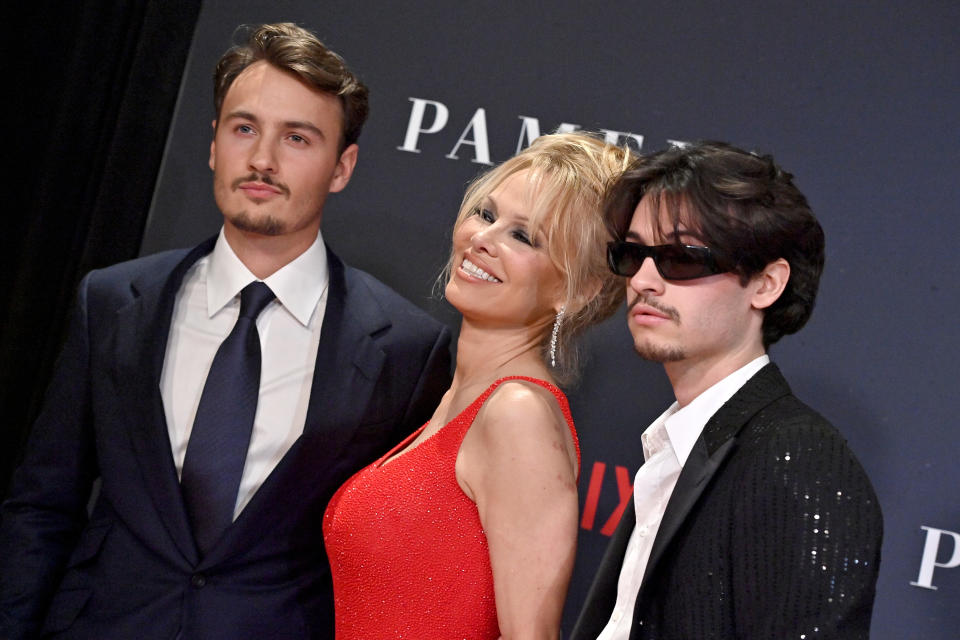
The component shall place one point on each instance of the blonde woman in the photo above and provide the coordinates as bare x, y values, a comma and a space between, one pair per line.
468, 528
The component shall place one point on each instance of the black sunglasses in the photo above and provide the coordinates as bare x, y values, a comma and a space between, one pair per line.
673, 261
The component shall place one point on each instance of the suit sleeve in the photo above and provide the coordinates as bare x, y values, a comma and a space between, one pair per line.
433, 382
809, 549
46, 507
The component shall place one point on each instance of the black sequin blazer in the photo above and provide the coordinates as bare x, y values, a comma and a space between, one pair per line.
773, 531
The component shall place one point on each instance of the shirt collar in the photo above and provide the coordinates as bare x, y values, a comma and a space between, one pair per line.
656, 434
683, 426
298, 285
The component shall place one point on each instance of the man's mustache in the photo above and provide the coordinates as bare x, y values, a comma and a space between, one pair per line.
670, 312
261, 177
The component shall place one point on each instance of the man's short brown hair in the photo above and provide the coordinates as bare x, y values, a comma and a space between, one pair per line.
296, 50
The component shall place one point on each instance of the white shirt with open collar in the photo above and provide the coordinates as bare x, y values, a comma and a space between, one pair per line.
667, 444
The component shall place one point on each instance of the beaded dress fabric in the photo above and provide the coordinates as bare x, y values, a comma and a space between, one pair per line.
408, 555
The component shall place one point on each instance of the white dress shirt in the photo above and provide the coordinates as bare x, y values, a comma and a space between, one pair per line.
207, 307
667, 444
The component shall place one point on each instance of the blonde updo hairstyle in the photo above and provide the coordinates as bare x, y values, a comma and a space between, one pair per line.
570, 174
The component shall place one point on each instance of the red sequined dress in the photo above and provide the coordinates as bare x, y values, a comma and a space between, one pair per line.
407, 552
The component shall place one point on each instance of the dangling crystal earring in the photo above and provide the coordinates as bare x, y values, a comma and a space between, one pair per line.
553, 336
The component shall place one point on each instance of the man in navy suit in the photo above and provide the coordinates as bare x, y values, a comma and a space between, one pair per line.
347, 369
750, 518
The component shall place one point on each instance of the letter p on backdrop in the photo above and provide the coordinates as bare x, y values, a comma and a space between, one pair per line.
930, 551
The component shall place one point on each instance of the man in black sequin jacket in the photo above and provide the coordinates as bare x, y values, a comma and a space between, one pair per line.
751, 517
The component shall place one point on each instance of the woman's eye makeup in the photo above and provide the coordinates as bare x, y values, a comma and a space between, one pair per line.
521, 234
485, 214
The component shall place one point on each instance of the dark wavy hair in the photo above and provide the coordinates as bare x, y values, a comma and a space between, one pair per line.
743, 206
294, 49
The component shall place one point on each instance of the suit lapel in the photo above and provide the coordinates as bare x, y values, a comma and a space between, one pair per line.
694, 478
716, 442
348, 360
139, 344
347, 369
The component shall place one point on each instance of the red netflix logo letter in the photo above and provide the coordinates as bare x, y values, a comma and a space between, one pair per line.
624, 489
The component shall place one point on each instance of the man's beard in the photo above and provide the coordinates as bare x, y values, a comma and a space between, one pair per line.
265, 225
654, 352
659, 353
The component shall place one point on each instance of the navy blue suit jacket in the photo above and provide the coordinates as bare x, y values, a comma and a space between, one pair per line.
131, 569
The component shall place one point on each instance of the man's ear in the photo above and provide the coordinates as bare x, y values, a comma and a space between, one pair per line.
213, 146
769, 284
344, 168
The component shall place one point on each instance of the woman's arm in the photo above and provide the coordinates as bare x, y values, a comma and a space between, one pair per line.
518, 463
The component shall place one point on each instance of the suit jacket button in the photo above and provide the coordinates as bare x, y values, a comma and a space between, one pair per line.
198, 580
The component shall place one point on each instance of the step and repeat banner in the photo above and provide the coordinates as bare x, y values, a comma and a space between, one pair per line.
858, 100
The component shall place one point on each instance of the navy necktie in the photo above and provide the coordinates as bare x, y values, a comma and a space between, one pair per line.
218, 443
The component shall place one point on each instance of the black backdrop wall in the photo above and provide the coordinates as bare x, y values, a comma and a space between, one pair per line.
858, 100
90, 88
